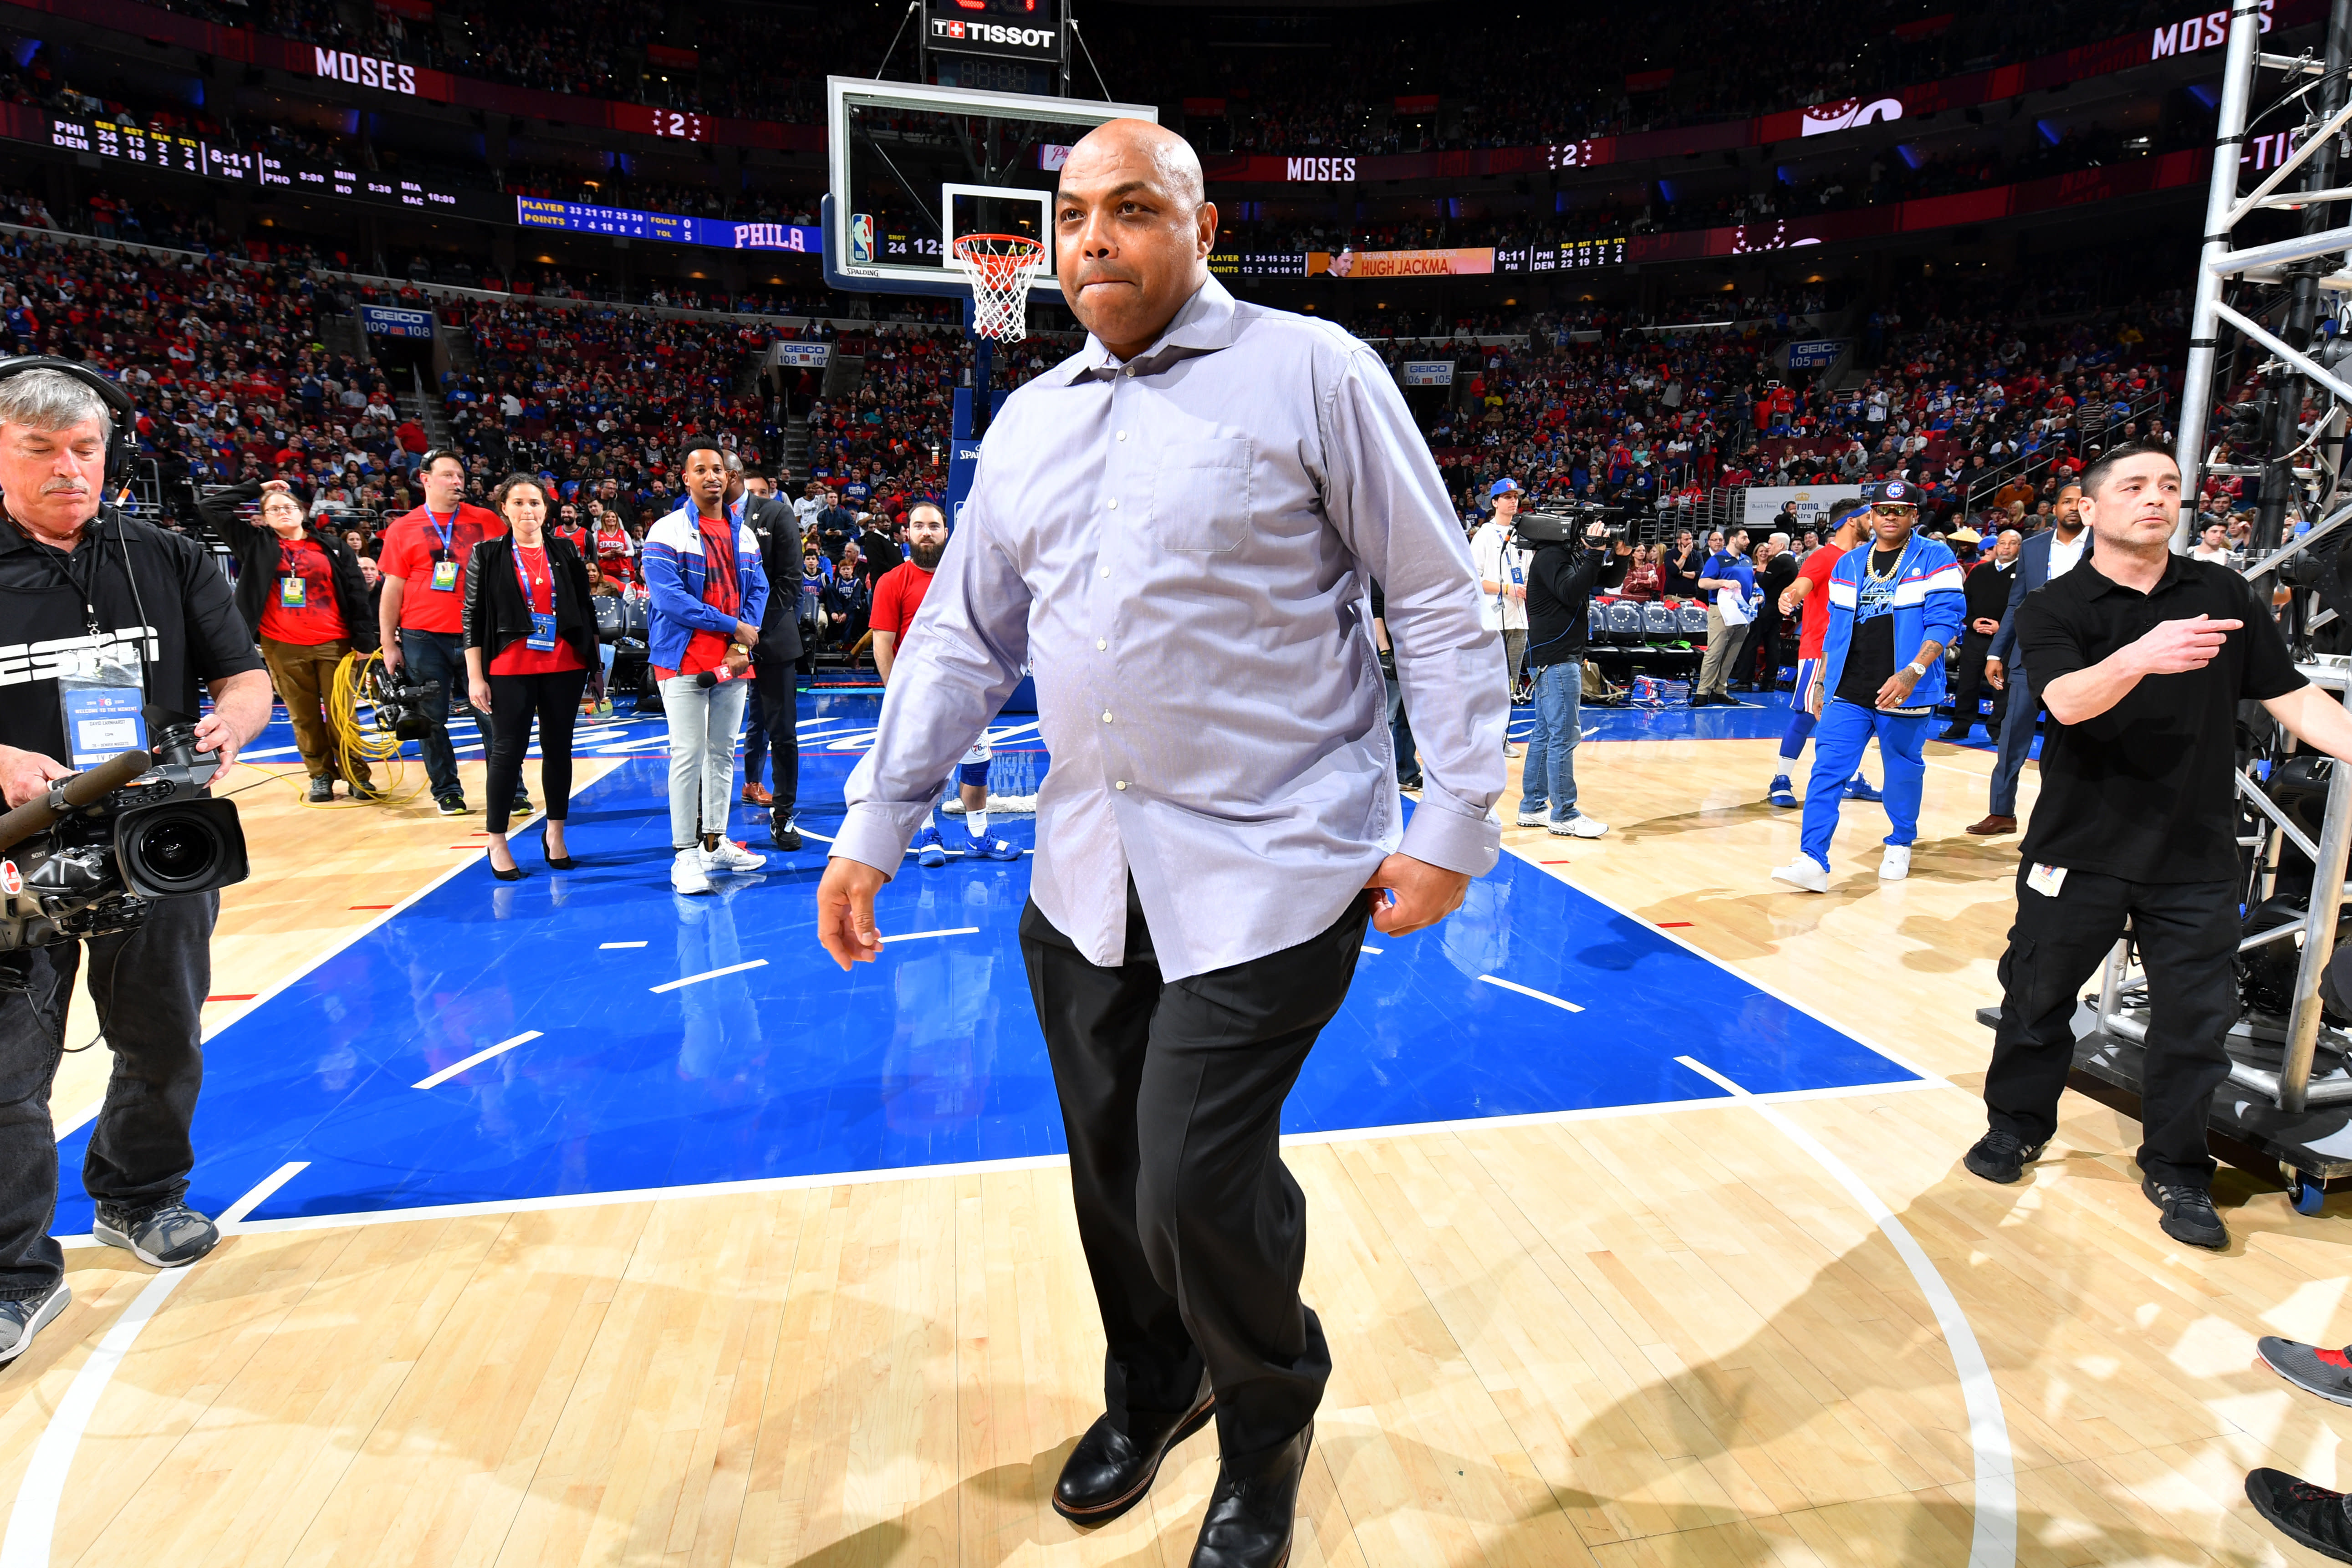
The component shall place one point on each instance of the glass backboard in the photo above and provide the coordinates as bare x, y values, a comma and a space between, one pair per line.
913, 166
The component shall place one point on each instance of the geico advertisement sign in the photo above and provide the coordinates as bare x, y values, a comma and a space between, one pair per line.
1456, 263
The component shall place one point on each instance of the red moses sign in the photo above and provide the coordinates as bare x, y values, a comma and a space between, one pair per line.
365, 70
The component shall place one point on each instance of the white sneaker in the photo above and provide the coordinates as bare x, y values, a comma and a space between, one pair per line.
1805, 872
1577, 827
1896, 865
731, 856
1534, 818
1511, 751
686, 873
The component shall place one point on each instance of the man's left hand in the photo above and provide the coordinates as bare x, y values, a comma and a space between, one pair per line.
217, 735
1424, 894
1897, 689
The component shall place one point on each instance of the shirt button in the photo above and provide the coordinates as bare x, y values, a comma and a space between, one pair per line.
1122, 435
1112, 503
1122, 784
1106, 572
1101, 643
1106, 715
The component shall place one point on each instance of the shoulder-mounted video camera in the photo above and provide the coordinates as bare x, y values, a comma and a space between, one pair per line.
89, 857
1569, 525
410, 710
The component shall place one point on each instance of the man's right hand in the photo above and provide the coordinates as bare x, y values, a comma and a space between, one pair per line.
392, 659
844, 910
1995, 675
2175, 648
26, 775
747, 633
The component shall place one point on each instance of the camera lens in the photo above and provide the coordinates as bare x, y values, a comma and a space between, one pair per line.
178, 850
182, 847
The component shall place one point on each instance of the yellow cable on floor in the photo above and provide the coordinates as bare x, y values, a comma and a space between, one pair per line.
357, 742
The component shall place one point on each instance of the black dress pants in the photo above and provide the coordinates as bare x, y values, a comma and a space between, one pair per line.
775, 686
148, 987
1196, 1233
1970, 683
555, 698
2187, 938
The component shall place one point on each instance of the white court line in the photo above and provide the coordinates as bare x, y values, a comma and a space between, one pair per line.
707, 974
1530, 991
607, 945
1993, 1542
453, 1068
33, 1521
265, 996
919, 935
1023, 1163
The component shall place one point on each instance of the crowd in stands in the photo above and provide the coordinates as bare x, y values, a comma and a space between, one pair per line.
1309, 84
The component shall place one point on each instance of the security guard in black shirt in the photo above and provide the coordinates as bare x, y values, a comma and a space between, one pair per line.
82, 585
2141, 657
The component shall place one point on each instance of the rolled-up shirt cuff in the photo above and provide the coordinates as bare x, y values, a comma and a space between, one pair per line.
877, 836
1446, 832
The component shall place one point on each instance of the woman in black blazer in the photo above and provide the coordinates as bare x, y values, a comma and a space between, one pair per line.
531, 645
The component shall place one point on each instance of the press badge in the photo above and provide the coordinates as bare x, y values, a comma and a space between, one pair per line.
100, 701
293, 592
2046, 879
542, 633
444, 576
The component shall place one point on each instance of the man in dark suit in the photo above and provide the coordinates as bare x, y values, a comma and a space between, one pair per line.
774, 681
1988, 588
2048, 555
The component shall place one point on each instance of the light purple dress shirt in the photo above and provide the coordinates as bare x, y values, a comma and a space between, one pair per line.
1182, 547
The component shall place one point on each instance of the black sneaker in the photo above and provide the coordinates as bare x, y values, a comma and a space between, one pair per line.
784, 831
2001, 1157
171, 1237
2308, 1515
20, 1320
364, 789
451, 805
322, 790
521, 807
2190, 1216
2315, 1369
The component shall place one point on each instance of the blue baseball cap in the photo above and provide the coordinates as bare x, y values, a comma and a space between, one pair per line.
1502, 486
1890, 492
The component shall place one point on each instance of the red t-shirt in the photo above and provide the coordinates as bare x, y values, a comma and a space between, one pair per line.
615, 552
896, 598
722, 589
302, 566
519, 657
1814, 635
414, 545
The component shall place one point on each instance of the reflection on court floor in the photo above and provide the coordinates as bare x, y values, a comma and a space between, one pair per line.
592, 1032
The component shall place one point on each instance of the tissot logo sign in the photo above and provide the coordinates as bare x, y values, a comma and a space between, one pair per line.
1325, 170
365, 70
962, 34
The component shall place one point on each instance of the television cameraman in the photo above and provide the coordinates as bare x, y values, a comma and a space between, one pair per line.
1562, 578
77, 576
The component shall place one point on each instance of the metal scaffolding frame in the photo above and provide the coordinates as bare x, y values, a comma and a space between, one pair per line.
2292, 368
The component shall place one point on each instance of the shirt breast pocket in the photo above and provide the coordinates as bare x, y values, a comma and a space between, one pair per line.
1201, 494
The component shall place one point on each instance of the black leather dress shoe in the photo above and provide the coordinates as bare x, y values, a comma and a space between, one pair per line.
1109, 1470
1251, 1512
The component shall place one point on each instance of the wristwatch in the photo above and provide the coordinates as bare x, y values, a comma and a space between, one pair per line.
1918, 671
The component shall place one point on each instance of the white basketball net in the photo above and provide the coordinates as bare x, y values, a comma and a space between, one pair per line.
1000, 267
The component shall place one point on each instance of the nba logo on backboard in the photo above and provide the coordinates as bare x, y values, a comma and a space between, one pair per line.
861, 239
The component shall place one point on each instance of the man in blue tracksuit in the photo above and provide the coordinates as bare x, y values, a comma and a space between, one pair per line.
1894, 608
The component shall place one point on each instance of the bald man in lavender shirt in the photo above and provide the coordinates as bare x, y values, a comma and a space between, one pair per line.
1180, 527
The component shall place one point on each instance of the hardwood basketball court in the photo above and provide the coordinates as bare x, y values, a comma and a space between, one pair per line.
1669, 1334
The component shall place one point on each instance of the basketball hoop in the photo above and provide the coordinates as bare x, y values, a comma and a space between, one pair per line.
1001, 266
